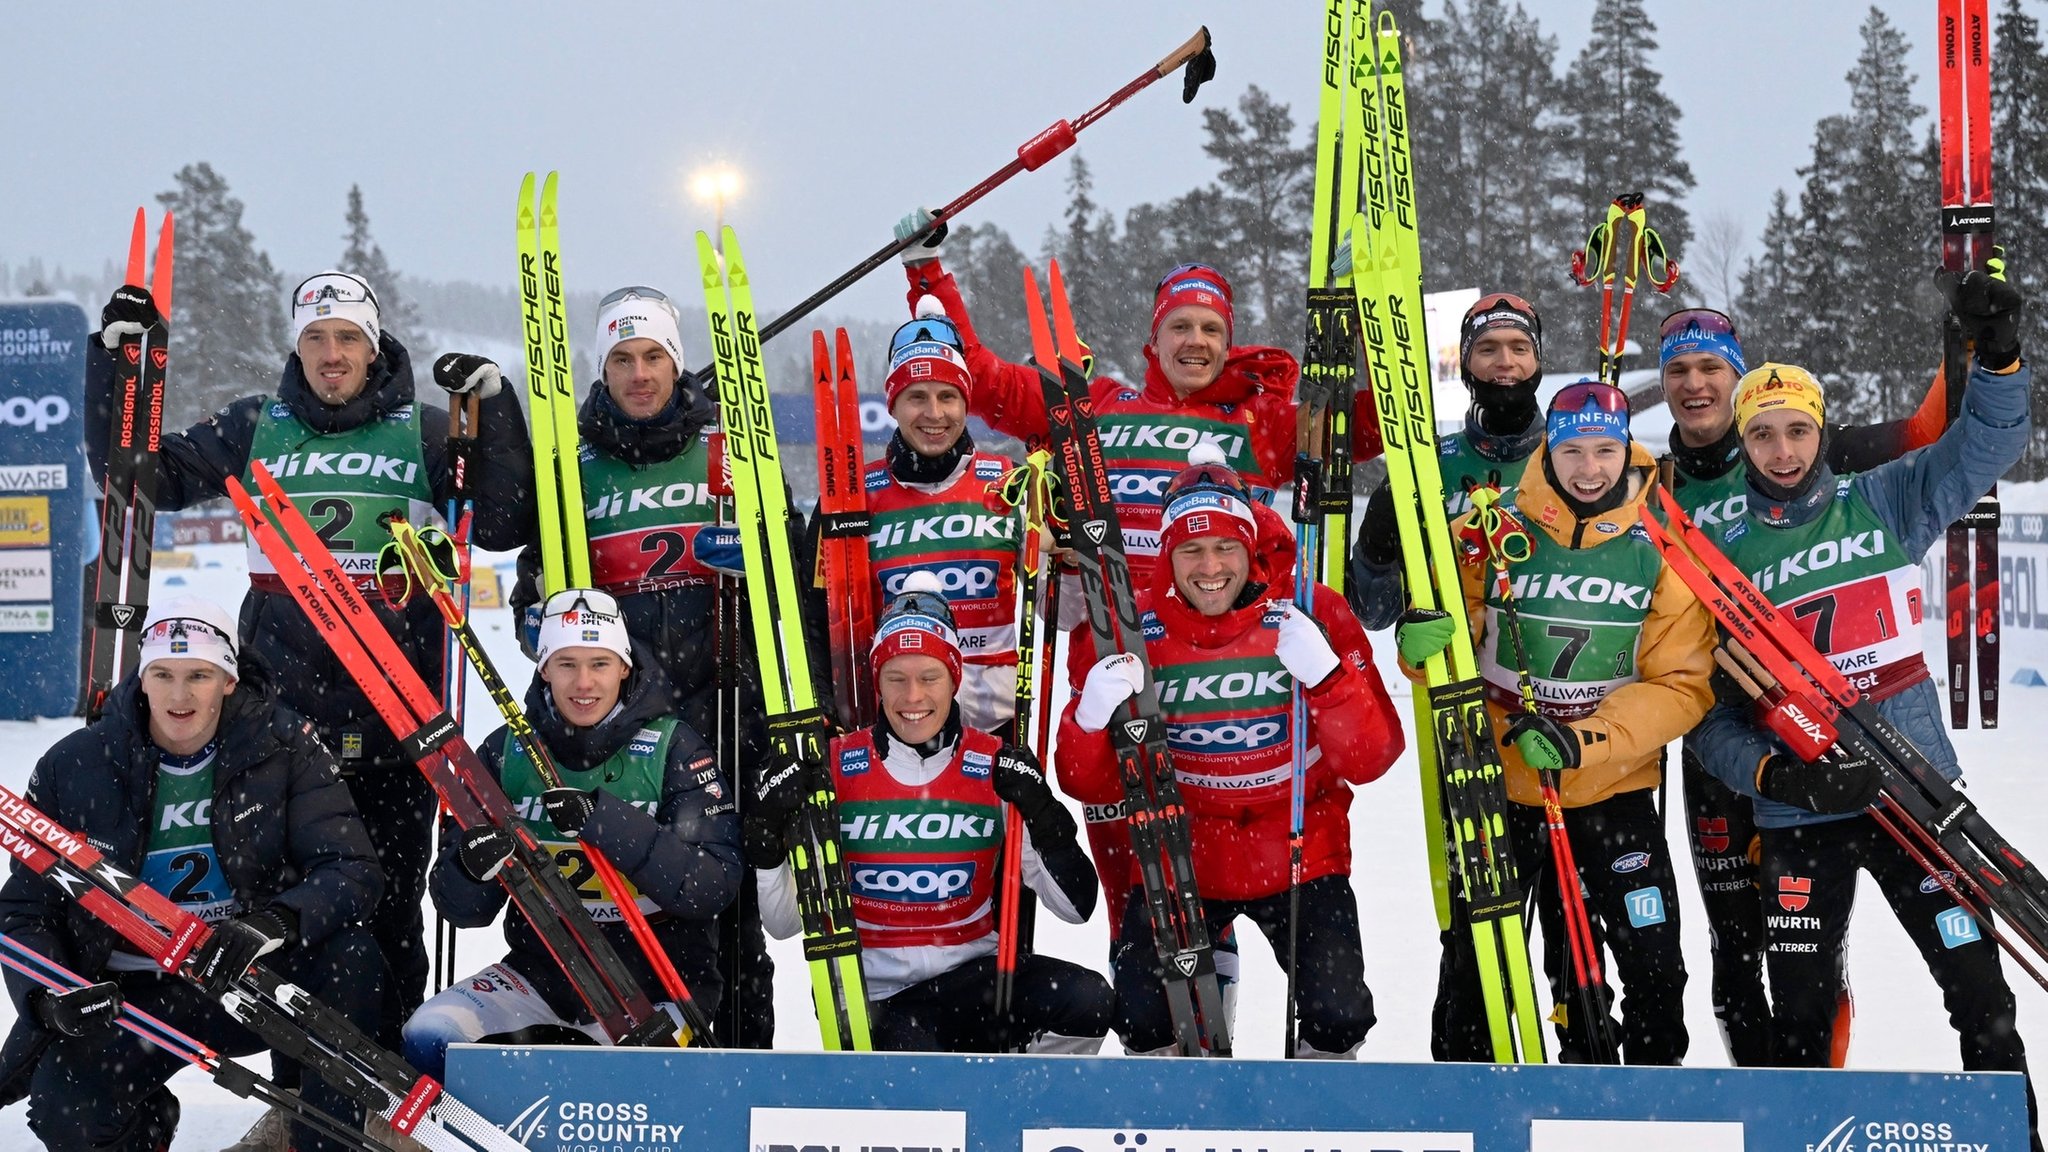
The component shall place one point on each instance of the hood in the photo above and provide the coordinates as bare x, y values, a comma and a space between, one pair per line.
645, 699
244, 735
1247, 371
663, 436
1543, 509
388, 389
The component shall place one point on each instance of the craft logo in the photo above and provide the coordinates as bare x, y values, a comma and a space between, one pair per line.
594, 1126
1794, 892
1199, 1140
1894, 1136
855, 1129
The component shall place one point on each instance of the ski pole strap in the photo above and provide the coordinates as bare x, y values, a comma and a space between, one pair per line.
1030, 487
423, 559
428, 737
1494, 532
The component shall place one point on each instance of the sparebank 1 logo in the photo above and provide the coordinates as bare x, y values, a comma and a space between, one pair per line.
592, 1126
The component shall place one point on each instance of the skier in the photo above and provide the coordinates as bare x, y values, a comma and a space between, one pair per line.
200, 784
639, 785
1700, 357
1867, 611
346, 438
1500, 356
657, 547
929, 958
1619, 666
935, 505
1198, 389
1227, 647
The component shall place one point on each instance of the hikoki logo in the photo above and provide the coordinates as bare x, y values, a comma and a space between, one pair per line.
598, 1125
1894, 1136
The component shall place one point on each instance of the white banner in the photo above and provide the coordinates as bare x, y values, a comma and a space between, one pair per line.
26, 618
830, 1129
1242, 1140
24, 575
33, 477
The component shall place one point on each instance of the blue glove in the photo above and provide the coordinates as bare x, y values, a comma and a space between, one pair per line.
907, 227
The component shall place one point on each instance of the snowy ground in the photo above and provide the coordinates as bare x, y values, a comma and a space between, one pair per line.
1900, 1023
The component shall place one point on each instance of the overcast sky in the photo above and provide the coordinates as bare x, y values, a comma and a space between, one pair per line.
840, 116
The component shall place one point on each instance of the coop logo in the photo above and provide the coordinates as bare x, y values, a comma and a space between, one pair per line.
1894, 1136
593, 1126
968, 581
913, 883
40, 412
1225, 735
1197, 1140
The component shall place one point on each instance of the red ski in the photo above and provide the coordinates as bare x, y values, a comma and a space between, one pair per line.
843, 570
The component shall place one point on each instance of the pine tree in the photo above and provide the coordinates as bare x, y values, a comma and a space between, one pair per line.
1624, 139
2019, 155
1083, 247
1764, 311
987, 262
228, 328
365, 258
1256, 216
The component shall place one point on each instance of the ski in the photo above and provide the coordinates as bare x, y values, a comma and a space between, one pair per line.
843, 570
551, 393
1968, 237
128, 506
1028, 489
412, 556
1472, 785
1809, 704
237, 1079
796, 724
292, 1023
366, 650
1157, 820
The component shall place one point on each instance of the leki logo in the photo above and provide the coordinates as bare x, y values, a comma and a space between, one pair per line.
1794, 892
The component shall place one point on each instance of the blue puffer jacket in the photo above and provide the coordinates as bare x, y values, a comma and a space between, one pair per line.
305, 847
1916, 497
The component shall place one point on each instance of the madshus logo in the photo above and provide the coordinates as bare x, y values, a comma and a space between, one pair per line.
1894, 1136
593, 1126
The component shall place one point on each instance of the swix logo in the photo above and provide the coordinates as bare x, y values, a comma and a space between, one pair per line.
953, 526
1176, 438
974, 580
1797, 721
1580, 589
1711, 833
1794, 892
1225, 736
189, 814
1718, 512
1819, 558
343, 464
681, 494
1224, 686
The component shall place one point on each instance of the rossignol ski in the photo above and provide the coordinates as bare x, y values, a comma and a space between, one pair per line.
1157, 820
843, 570
1472, 786
1811, 706
292, 1023
1967, 241
796, 724
551, 394
373, 660
236, 1078
128, 510
425, 559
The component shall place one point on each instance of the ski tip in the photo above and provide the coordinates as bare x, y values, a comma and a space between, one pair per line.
137, 237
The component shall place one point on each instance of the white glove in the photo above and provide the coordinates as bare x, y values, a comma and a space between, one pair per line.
1302, 648
927, 251
1113, 680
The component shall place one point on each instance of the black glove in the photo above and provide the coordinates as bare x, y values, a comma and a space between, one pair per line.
1834, 784
86, 1011
482, 852
764, 829
129, 312
1379, 535
1989, 309
764, 841
569, 808
1547, 745
461, 373
240, 942
1020, 780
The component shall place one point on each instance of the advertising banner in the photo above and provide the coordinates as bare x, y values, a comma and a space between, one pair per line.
43, 506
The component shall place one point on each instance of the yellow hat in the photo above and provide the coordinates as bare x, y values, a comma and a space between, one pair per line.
1775, 387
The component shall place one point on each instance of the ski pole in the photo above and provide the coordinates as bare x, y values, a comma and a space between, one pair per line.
1033, 154
414, 551
463, 416
1026, 489
1609, 256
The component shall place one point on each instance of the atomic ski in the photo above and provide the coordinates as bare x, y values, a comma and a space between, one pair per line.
551, 394
796, 724
1967, 241
843, 570
373, 660
128, 510
1157, 820
292, 1023
1810, 705
1472, 786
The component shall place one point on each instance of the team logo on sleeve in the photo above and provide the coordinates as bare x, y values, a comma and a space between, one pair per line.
1794, 892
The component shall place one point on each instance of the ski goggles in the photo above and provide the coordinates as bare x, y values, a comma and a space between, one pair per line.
1587, 408
1195, 272
1690, 330
333, 287
581, 600
638, 292
925, 330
